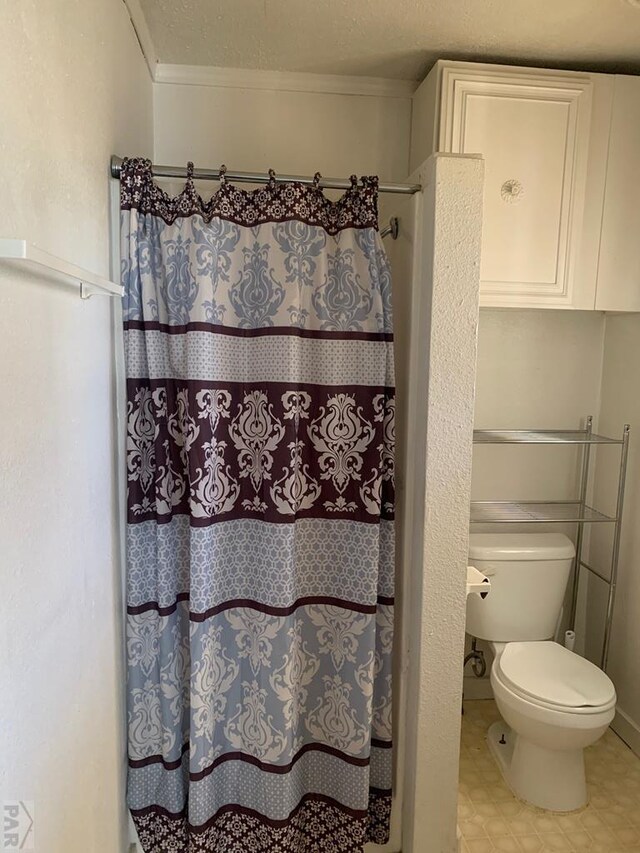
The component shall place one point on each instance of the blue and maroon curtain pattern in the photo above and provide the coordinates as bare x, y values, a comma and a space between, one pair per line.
260, 539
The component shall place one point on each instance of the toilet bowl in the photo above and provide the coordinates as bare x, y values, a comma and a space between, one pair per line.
553, 702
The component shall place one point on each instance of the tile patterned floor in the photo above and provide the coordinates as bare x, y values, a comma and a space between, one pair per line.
492, 820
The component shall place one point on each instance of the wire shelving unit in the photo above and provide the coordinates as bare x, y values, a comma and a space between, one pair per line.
568, 512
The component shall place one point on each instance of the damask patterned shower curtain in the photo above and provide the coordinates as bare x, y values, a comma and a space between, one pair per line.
260, 543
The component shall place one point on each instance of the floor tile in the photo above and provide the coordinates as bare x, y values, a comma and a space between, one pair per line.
555, 841
579, 839
529, 843
492, 820
627, 835
506, 844
480, 845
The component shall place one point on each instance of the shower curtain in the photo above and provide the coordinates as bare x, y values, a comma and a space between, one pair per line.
260, 540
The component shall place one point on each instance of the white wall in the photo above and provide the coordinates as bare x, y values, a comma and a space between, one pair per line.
536, 369
620, 405
74, 90
291, 132
439, 442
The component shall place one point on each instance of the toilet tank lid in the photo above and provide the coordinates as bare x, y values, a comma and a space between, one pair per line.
520, 546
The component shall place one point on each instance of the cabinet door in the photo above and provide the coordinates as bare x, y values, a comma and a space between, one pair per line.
532, 129
619, 267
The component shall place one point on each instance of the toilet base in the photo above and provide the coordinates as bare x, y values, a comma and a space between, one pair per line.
550, 779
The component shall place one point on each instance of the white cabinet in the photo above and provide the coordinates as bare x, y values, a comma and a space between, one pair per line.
532, 128
533, 133
619, 266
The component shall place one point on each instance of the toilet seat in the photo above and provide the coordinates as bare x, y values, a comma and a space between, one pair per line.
550, 676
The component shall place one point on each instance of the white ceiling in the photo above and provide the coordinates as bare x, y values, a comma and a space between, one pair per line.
394, 38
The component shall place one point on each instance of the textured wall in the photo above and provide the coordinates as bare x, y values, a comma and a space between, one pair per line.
443, 368
74, 89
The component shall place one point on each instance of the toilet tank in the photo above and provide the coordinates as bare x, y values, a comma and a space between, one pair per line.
529, 574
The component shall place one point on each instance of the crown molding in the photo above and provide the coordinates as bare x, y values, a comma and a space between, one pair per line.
141, 29
281, 81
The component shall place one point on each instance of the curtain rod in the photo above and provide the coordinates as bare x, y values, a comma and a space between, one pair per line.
259, 178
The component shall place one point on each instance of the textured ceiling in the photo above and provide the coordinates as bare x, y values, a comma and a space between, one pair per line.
394, 38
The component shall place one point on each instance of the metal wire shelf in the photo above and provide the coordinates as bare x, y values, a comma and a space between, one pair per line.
540, 436
535, 512
570, 512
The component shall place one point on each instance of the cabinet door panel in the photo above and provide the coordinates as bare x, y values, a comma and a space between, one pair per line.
619, 266
533, 132
524, 144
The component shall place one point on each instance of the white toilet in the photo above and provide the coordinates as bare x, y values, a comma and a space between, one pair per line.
554, 703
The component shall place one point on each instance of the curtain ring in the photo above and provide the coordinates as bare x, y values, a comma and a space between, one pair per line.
354, 182
190, 171
316, 180
272, 178
223, 174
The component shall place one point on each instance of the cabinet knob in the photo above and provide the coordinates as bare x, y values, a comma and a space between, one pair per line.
511, 191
